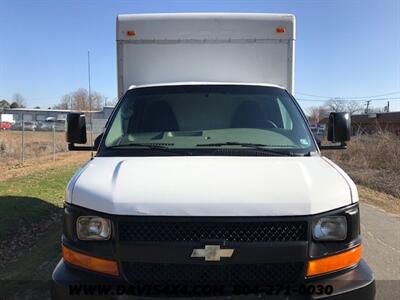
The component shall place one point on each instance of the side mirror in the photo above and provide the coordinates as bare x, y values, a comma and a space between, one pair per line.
76, 132
339, 127
76, 128
339, 130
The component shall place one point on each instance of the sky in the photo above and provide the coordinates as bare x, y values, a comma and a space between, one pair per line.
344, 48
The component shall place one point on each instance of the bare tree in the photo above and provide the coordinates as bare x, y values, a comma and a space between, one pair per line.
79, 100
113, 102
65, 102
317, 113
353, 107
97, 100
341, 105
18, 100
335, 105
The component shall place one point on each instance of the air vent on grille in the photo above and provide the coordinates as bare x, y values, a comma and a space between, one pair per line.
226, 275
200, 231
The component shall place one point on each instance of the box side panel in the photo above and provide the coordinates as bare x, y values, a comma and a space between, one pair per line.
242, 48
262, 62
204, 26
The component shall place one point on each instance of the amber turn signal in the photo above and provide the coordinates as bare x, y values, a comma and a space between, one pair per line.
91, 263
335, 262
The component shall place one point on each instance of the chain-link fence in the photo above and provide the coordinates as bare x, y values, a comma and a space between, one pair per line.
27, 141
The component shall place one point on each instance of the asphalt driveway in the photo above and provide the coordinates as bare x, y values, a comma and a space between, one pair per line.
381, 238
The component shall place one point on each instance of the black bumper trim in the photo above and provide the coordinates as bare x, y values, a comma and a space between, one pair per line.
357, 283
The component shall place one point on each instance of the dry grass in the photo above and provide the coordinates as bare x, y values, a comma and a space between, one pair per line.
372, 161
387, 202
37, 144
62, 160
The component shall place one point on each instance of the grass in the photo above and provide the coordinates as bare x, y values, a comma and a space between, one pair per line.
31, 198
30, 230
29, 276
372, 161
385, 201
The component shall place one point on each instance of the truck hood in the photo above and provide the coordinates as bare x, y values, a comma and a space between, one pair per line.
211, 186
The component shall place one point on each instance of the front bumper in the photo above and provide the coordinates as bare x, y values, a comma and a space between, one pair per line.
71, 283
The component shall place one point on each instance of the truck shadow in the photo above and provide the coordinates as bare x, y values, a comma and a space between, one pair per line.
30, 230
23, 220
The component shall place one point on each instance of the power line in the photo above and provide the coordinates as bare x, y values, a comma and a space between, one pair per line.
381, 95
348, 98
311, 95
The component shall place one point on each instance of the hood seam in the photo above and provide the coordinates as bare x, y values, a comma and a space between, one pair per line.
348, 184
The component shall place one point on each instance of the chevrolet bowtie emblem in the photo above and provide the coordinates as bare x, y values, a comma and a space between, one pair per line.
212, 253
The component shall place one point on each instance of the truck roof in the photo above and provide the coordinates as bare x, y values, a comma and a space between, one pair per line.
200, 83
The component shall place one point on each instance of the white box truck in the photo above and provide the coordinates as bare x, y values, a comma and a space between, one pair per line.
207, 181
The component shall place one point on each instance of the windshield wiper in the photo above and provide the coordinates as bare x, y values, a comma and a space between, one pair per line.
253, 146
151, 146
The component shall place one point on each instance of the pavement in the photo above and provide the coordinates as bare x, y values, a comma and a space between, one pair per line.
381, 238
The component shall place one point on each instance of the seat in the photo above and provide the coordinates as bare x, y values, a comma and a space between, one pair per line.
159, 117
248, 115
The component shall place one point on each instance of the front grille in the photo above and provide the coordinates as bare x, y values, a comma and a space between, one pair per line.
229, 275
195, 231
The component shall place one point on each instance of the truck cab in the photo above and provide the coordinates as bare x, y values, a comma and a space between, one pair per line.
208, 188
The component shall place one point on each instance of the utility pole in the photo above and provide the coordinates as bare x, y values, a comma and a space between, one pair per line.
367, 108
387, 107
90, 104
23, 140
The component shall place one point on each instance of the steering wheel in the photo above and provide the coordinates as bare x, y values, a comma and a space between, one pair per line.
273, 125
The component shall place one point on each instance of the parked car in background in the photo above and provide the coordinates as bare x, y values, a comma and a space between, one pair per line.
5, 125
30, 126
50, 123
27, 126
318, 131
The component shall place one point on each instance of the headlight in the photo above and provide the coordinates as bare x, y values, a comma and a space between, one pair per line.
93, 228
331, 228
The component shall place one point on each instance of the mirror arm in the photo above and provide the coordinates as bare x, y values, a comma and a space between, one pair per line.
72, 147
340, 146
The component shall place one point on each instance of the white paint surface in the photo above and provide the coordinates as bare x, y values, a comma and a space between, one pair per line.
210, 186
224, 47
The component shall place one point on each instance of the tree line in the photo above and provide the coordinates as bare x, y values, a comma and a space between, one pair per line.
320, 112
18, 101
76, 100
79, 100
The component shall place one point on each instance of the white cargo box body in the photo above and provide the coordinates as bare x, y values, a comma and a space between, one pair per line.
205, 47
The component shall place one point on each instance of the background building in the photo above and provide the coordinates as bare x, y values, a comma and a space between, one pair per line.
42, 116
373, 122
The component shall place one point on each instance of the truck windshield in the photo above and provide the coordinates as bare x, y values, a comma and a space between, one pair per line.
208, 117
